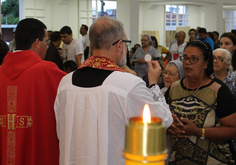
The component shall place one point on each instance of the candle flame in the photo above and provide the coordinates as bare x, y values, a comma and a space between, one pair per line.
146, 114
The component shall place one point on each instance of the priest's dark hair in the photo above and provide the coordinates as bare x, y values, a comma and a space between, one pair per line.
27, 31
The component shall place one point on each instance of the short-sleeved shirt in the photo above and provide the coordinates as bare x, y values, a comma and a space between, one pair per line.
85, 41
203, 107
141, 69
70, 51
177, 51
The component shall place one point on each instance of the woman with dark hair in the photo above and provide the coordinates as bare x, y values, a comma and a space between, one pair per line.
203, 109
211, 36
138, 57
192, 35
3, 50
161, 49
131, 53
228, 41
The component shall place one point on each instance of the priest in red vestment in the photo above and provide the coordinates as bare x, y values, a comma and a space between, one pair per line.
28, 87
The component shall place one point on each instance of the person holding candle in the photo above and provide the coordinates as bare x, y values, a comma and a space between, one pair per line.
204, 112
95, 102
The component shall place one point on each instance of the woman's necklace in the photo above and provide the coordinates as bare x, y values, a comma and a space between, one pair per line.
190, 96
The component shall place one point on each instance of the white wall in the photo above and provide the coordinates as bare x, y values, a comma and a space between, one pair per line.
194, 16
210, 17
152, 19
123, 14
53, 15
128, 14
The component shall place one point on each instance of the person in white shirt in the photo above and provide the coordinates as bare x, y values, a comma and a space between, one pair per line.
84, 37
72, 49
95, 102
177, 48
85, 40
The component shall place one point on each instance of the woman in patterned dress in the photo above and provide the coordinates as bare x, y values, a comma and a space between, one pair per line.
204, 109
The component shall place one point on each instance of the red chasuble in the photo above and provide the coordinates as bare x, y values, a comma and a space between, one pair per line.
28, 87
99, 62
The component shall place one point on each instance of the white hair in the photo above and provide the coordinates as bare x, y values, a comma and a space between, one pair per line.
227, 54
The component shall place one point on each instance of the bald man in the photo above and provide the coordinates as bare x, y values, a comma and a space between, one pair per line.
177, 48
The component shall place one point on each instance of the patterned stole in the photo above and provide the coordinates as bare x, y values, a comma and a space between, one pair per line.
100, 63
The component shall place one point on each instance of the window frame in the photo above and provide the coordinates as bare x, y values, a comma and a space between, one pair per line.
177, 20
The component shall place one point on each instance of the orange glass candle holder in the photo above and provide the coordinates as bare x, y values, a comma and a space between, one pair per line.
145, 142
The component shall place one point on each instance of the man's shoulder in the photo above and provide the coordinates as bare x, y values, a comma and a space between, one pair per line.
123, 79
48, 66
174, 46
183, 45
208, 40
76, 42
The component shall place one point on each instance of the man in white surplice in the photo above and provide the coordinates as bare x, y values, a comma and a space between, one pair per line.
94, 103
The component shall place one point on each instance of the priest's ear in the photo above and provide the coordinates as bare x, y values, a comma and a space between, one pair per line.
119, 46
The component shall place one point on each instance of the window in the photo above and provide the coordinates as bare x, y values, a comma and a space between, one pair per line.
230, 20
176, 15
91, 9
109, 8
9, 18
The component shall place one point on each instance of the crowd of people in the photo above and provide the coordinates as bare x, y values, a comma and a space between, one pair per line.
68, 103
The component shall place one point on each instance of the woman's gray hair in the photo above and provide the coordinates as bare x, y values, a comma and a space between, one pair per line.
104, 32
149, 40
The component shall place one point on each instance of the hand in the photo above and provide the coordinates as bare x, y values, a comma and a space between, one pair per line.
176, 129
190, 128
141, 61
154, 72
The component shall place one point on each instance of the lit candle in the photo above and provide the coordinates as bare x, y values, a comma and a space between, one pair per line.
145, 140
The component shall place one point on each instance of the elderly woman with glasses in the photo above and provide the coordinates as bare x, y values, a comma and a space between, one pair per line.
173, 72
203, 109
222, 68
138, 57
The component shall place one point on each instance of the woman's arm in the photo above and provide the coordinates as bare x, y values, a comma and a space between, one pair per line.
227, 130
226, 113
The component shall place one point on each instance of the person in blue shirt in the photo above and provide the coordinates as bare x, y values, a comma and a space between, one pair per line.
202, 33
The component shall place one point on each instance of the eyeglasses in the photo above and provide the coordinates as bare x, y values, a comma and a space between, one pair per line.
128, 42
169, 73
192, 59
218, 59
48, 43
